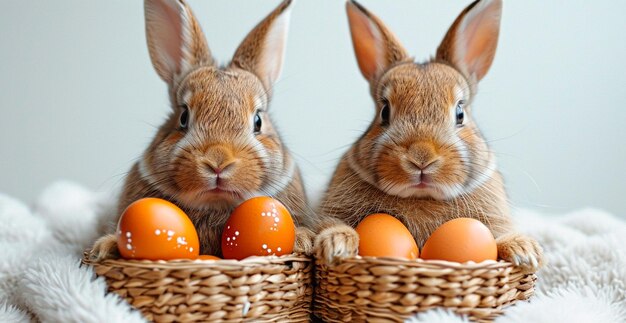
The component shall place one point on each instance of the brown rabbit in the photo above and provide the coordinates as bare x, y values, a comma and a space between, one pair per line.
218, 146
422, 159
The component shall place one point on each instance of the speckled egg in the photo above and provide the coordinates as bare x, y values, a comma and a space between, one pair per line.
155, 229
260, 226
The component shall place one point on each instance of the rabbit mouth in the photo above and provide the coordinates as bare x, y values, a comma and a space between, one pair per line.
423, 181
421, 185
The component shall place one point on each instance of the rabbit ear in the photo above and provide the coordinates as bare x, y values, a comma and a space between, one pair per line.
263, 50
375, 46
175, 39
471, 41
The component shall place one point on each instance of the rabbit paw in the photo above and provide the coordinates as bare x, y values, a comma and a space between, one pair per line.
336, 242
304, 241
520, 250
104, 248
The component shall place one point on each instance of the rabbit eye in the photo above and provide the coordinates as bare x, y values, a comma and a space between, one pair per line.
257, 123
460, 113
384, 114
184, 118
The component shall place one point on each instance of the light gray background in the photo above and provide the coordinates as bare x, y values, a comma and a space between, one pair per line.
80, 99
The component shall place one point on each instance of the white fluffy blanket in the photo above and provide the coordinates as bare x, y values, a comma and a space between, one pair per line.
40, 280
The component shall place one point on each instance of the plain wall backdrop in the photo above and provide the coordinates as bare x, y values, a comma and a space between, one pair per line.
80, 99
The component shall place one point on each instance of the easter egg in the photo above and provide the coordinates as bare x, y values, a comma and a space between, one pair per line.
260, 226
382, 235
208, 257
154, 229
461, 240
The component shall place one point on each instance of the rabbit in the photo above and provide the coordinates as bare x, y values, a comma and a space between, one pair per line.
423, 158
218, 146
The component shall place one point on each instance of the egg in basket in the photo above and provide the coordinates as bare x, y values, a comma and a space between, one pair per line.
456, 269
162, 274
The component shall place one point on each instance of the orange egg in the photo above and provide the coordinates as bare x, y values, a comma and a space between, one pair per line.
260, 226
461, 240
208, 257
382, 235
152, 228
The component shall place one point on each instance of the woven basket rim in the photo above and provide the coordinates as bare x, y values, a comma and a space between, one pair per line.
433, 264
394, 289
252, 261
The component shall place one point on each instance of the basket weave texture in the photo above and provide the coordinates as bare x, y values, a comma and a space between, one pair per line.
390, 290
256, 289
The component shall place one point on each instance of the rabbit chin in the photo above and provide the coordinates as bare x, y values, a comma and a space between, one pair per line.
211, 199
405, 190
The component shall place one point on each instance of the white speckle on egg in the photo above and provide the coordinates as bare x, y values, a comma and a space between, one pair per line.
264, 246
269, 250
262, 213
157, 231
278, 249
130, 240
170, 233
236, 233
129, 246
190, 249
128, 234
181, 240
228, 227
276, 219
234, 238
227, 238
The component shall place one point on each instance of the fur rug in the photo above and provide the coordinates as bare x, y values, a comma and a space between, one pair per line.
40, 248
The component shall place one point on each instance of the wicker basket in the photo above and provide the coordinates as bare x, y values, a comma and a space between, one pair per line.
256, 289
391, 290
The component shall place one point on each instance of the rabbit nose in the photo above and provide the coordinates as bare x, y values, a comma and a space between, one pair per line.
220, 169
219, 159
422, 155
423, 165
